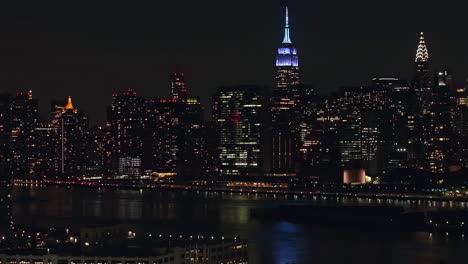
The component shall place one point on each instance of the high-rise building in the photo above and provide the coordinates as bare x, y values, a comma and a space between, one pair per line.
328, 121
98, 161
5, 122
421, 86
48, 159
73, 127
287, 61
178, 89
24, 119
351, 104
417, 104
163, 135
238, 113
194, 156
57, 107
309, 130
285, 131
126, 118
371, 142
6, 221
462, 126
437, 124
401, 126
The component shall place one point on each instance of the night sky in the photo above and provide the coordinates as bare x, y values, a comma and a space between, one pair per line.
58, 49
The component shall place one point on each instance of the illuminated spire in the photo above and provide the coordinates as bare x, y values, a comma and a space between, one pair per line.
69, 104
422, 54
287, 39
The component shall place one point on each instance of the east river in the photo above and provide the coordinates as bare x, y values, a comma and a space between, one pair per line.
227, 214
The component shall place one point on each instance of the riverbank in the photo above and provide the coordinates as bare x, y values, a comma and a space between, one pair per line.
313, 193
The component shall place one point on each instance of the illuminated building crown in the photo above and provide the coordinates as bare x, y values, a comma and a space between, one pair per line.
287, 54
69, 104
422, 55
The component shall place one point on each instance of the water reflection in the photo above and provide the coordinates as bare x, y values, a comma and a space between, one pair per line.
227, 214
285, 248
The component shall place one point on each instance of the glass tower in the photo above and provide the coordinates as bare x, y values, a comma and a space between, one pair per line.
237, 112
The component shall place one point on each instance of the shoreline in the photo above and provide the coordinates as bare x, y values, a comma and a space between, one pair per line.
310, 194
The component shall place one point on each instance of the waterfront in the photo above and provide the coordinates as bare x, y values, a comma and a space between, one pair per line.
227, 214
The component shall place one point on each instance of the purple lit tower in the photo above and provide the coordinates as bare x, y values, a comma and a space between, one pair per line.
283, 104
287, 61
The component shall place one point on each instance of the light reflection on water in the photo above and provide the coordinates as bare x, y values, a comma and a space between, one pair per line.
227, 214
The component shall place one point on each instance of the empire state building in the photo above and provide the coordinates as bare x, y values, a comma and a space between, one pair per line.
287, 61
282, 105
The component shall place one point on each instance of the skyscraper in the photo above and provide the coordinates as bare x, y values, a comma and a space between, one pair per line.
24, 119
238, 113
351, 104
462, 105
126, 120
284, 131
437, 124
194, 159
287, 61
6, 221
163, 134
57, 107
421, 82
284, 125
74, 134
417, 105
178, 89
5, 122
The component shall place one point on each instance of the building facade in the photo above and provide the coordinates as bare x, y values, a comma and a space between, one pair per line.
126, 118
238, 113
284, 124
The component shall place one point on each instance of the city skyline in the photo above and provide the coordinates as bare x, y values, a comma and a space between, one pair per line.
233, 132
78, 70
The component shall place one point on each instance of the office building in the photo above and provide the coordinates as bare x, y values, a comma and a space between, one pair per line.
126, 117
238, 113
178, 89
24, 114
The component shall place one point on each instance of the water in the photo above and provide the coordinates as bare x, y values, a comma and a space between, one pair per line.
227, 215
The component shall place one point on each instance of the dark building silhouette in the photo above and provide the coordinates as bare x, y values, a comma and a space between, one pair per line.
164, 133
437, 124
178, 89
6, 219
460, 127
126, 118
57, 107
24, 119
194, 158
73, 137
5, 123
